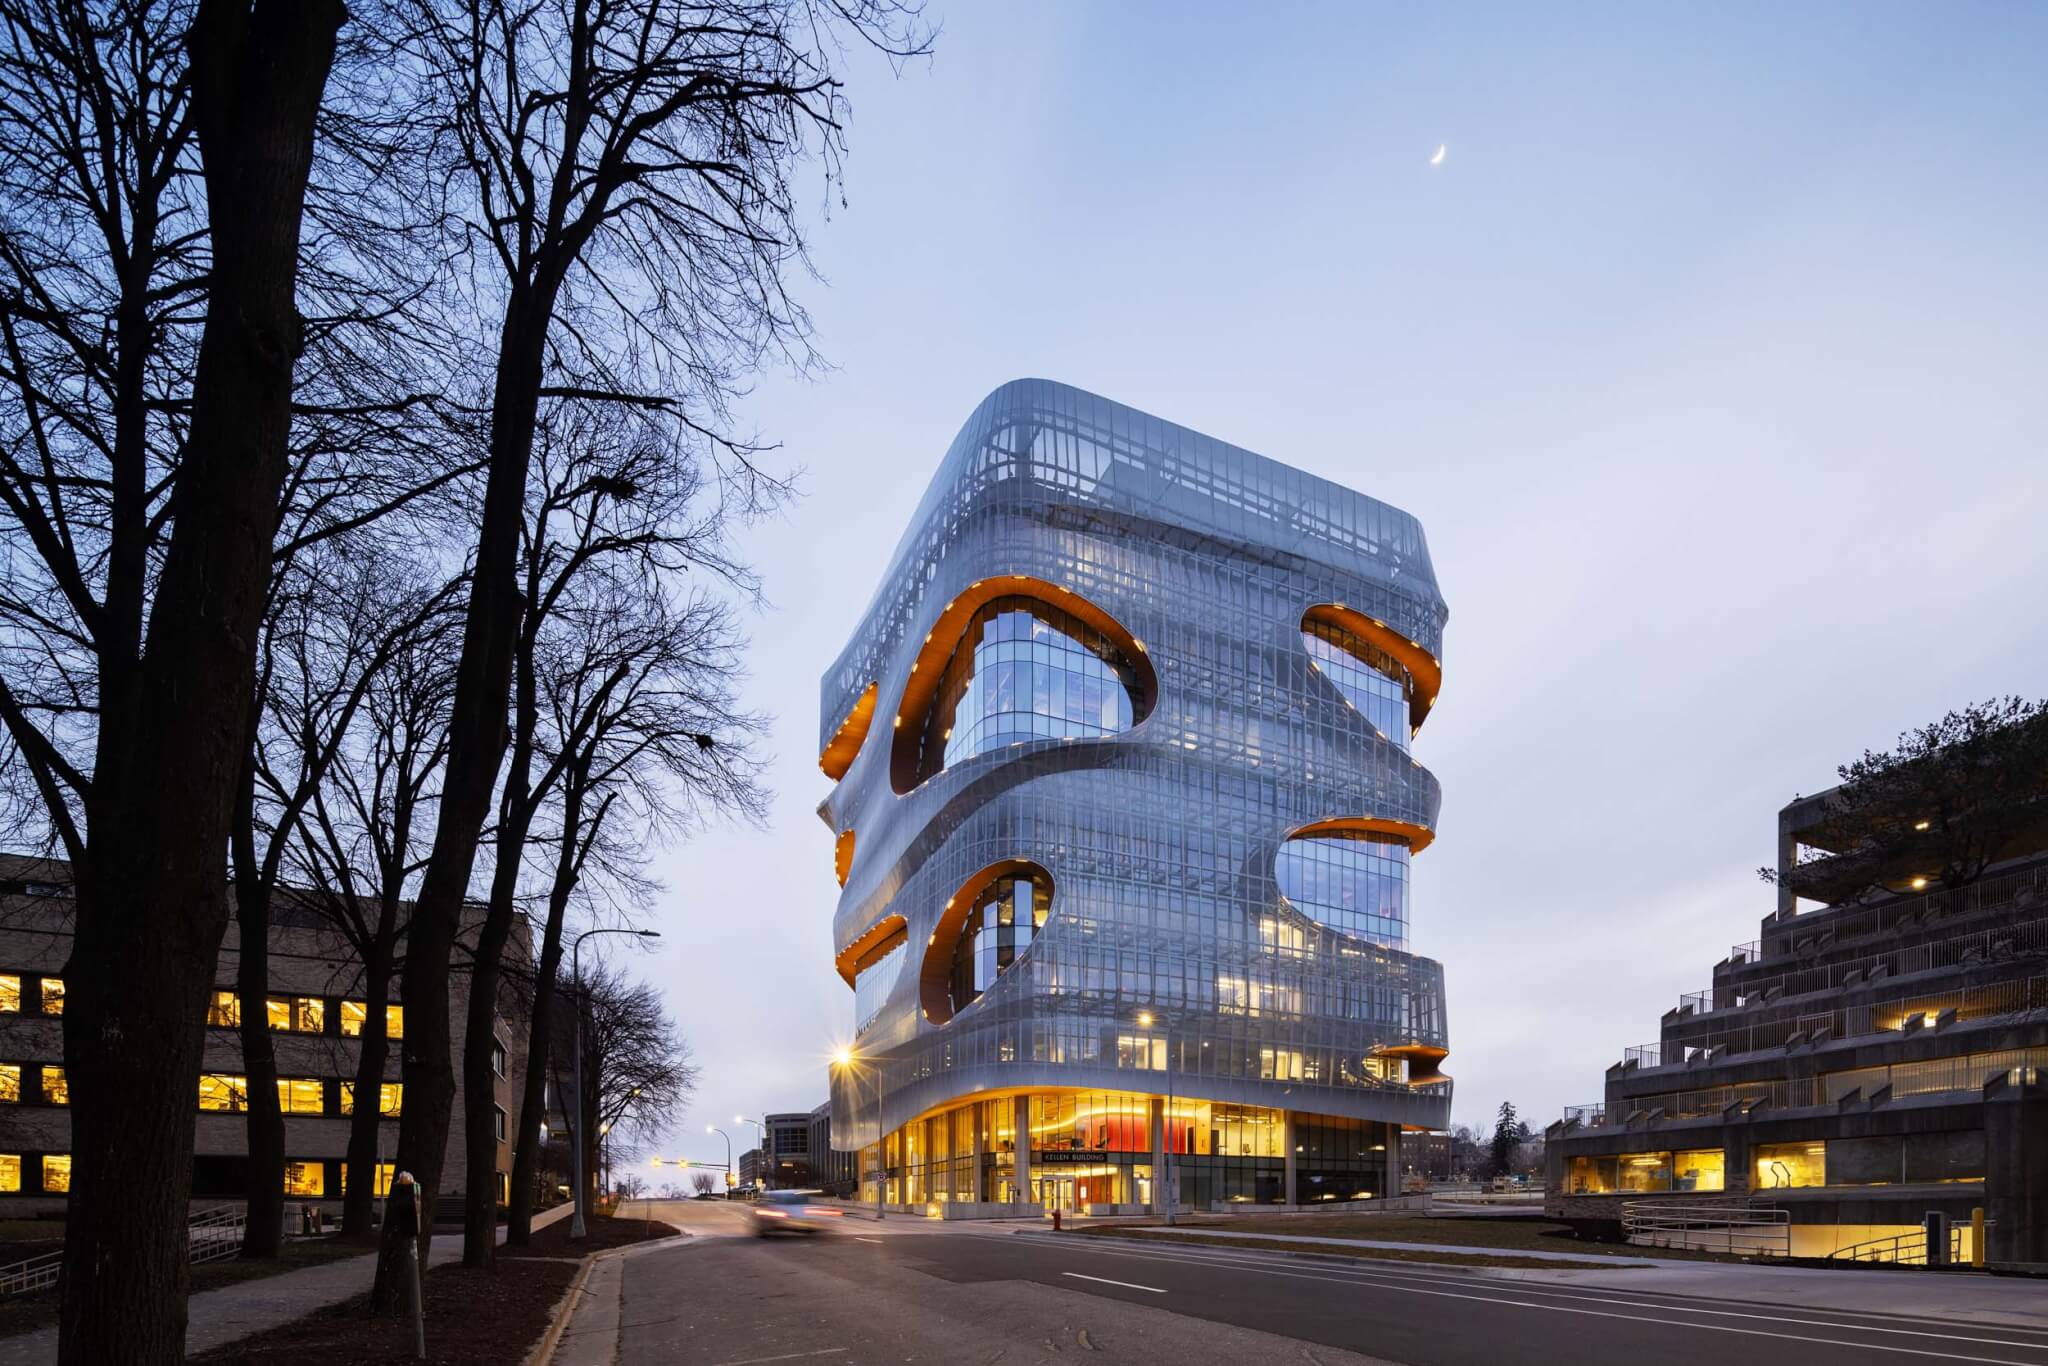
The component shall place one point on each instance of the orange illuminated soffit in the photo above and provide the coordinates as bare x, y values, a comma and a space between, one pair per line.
1425, 670
1416, 837
846, 741
842, 856
872, 943
1425, 1061
939, 643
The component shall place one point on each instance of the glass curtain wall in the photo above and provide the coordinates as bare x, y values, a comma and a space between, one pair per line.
1356, 883
1371, 681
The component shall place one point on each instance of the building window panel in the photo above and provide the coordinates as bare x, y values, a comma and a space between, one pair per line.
56, 1173
301, 1096
53, 996
56, 1090
354, 1016
1701, 1169
1783, 1165
10, 1173
10, 1083
10, 993
224, 1010
389, 1097
498, 1122
307, 1179
220, 1091
499, 1057
394, 1022
380, 1181
297, 1014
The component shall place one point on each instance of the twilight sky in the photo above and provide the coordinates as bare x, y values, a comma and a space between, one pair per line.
1714, 359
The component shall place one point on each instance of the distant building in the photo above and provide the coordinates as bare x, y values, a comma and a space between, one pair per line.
316, 1014
1428, 1155
753, 1167
1856, 1067
1124, 813
831, 1169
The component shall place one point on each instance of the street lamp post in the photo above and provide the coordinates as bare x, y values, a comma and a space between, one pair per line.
761, 1130
714, 1129
1166, 1134
577, 1228
849, 1061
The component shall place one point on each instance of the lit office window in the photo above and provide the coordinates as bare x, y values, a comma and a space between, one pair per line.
224, 1010
56, 1090
394, 1022
354, 1015
380, 1184
53, 996
56, 1173
1702, 1169
10, 1083
389, 1097
1780, 1165
220, 1091
10, 1173
10, 993
1141, 1051
297, 1014
300, 1096
305, 1178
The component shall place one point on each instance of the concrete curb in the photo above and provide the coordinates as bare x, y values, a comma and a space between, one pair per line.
565, 1308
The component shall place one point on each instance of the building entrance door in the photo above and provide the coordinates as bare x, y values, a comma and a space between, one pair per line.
1057, 1193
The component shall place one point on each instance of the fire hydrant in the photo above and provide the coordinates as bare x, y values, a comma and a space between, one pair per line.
1055, 1221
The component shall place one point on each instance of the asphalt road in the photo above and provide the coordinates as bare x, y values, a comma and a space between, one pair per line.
907, 1290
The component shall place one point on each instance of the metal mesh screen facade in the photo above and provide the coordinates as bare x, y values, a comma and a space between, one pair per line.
1160, 841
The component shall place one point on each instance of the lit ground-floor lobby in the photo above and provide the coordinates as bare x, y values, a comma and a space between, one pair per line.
1114, 1152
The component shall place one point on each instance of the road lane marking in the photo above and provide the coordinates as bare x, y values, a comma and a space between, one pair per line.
863, 1238
1392, 1277
1605, 1314
1104, 1280
786, 1356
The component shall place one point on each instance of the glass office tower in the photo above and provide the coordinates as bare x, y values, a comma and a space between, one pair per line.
1123, 819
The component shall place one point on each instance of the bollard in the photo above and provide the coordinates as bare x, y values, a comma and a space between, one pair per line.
1977, 1236
415, 1301
1055, 1221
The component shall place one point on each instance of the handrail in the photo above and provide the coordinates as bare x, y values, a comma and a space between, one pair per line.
1849, 923
210, 1235
1733, 1225
1901, 1249
1972, 1003
1995, 945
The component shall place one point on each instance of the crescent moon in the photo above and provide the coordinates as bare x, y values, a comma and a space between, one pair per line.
1438, 159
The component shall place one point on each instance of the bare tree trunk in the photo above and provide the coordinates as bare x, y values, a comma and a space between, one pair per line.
526, 1153
476, 746
359, 1192
152, 895
264, 1191
265, 1236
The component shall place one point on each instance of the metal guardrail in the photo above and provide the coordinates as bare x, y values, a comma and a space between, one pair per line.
1733, 1226
211, 1235
1901, 1249
1987, 894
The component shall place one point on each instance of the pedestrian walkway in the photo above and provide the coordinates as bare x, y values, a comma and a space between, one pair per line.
215, 1318
1286, 1240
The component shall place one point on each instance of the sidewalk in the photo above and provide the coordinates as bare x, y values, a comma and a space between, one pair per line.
215, 1318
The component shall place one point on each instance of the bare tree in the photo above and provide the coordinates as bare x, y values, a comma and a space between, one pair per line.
702, 1182
153, 170
615, 509
360, 843
627, 180
637, 1071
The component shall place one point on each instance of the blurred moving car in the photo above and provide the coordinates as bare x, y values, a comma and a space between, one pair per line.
794, 1212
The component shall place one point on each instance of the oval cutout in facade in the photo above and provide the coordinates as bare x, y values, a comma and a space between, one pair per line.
985, 927
851, 734
1016, 658
1351, 875
1350, 648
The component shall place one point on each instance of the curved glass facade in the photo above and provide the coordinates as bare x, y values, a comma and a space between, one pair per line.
1357, 884
1004, 915
1370, 679
1192, 952
1025, 670
876, 977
